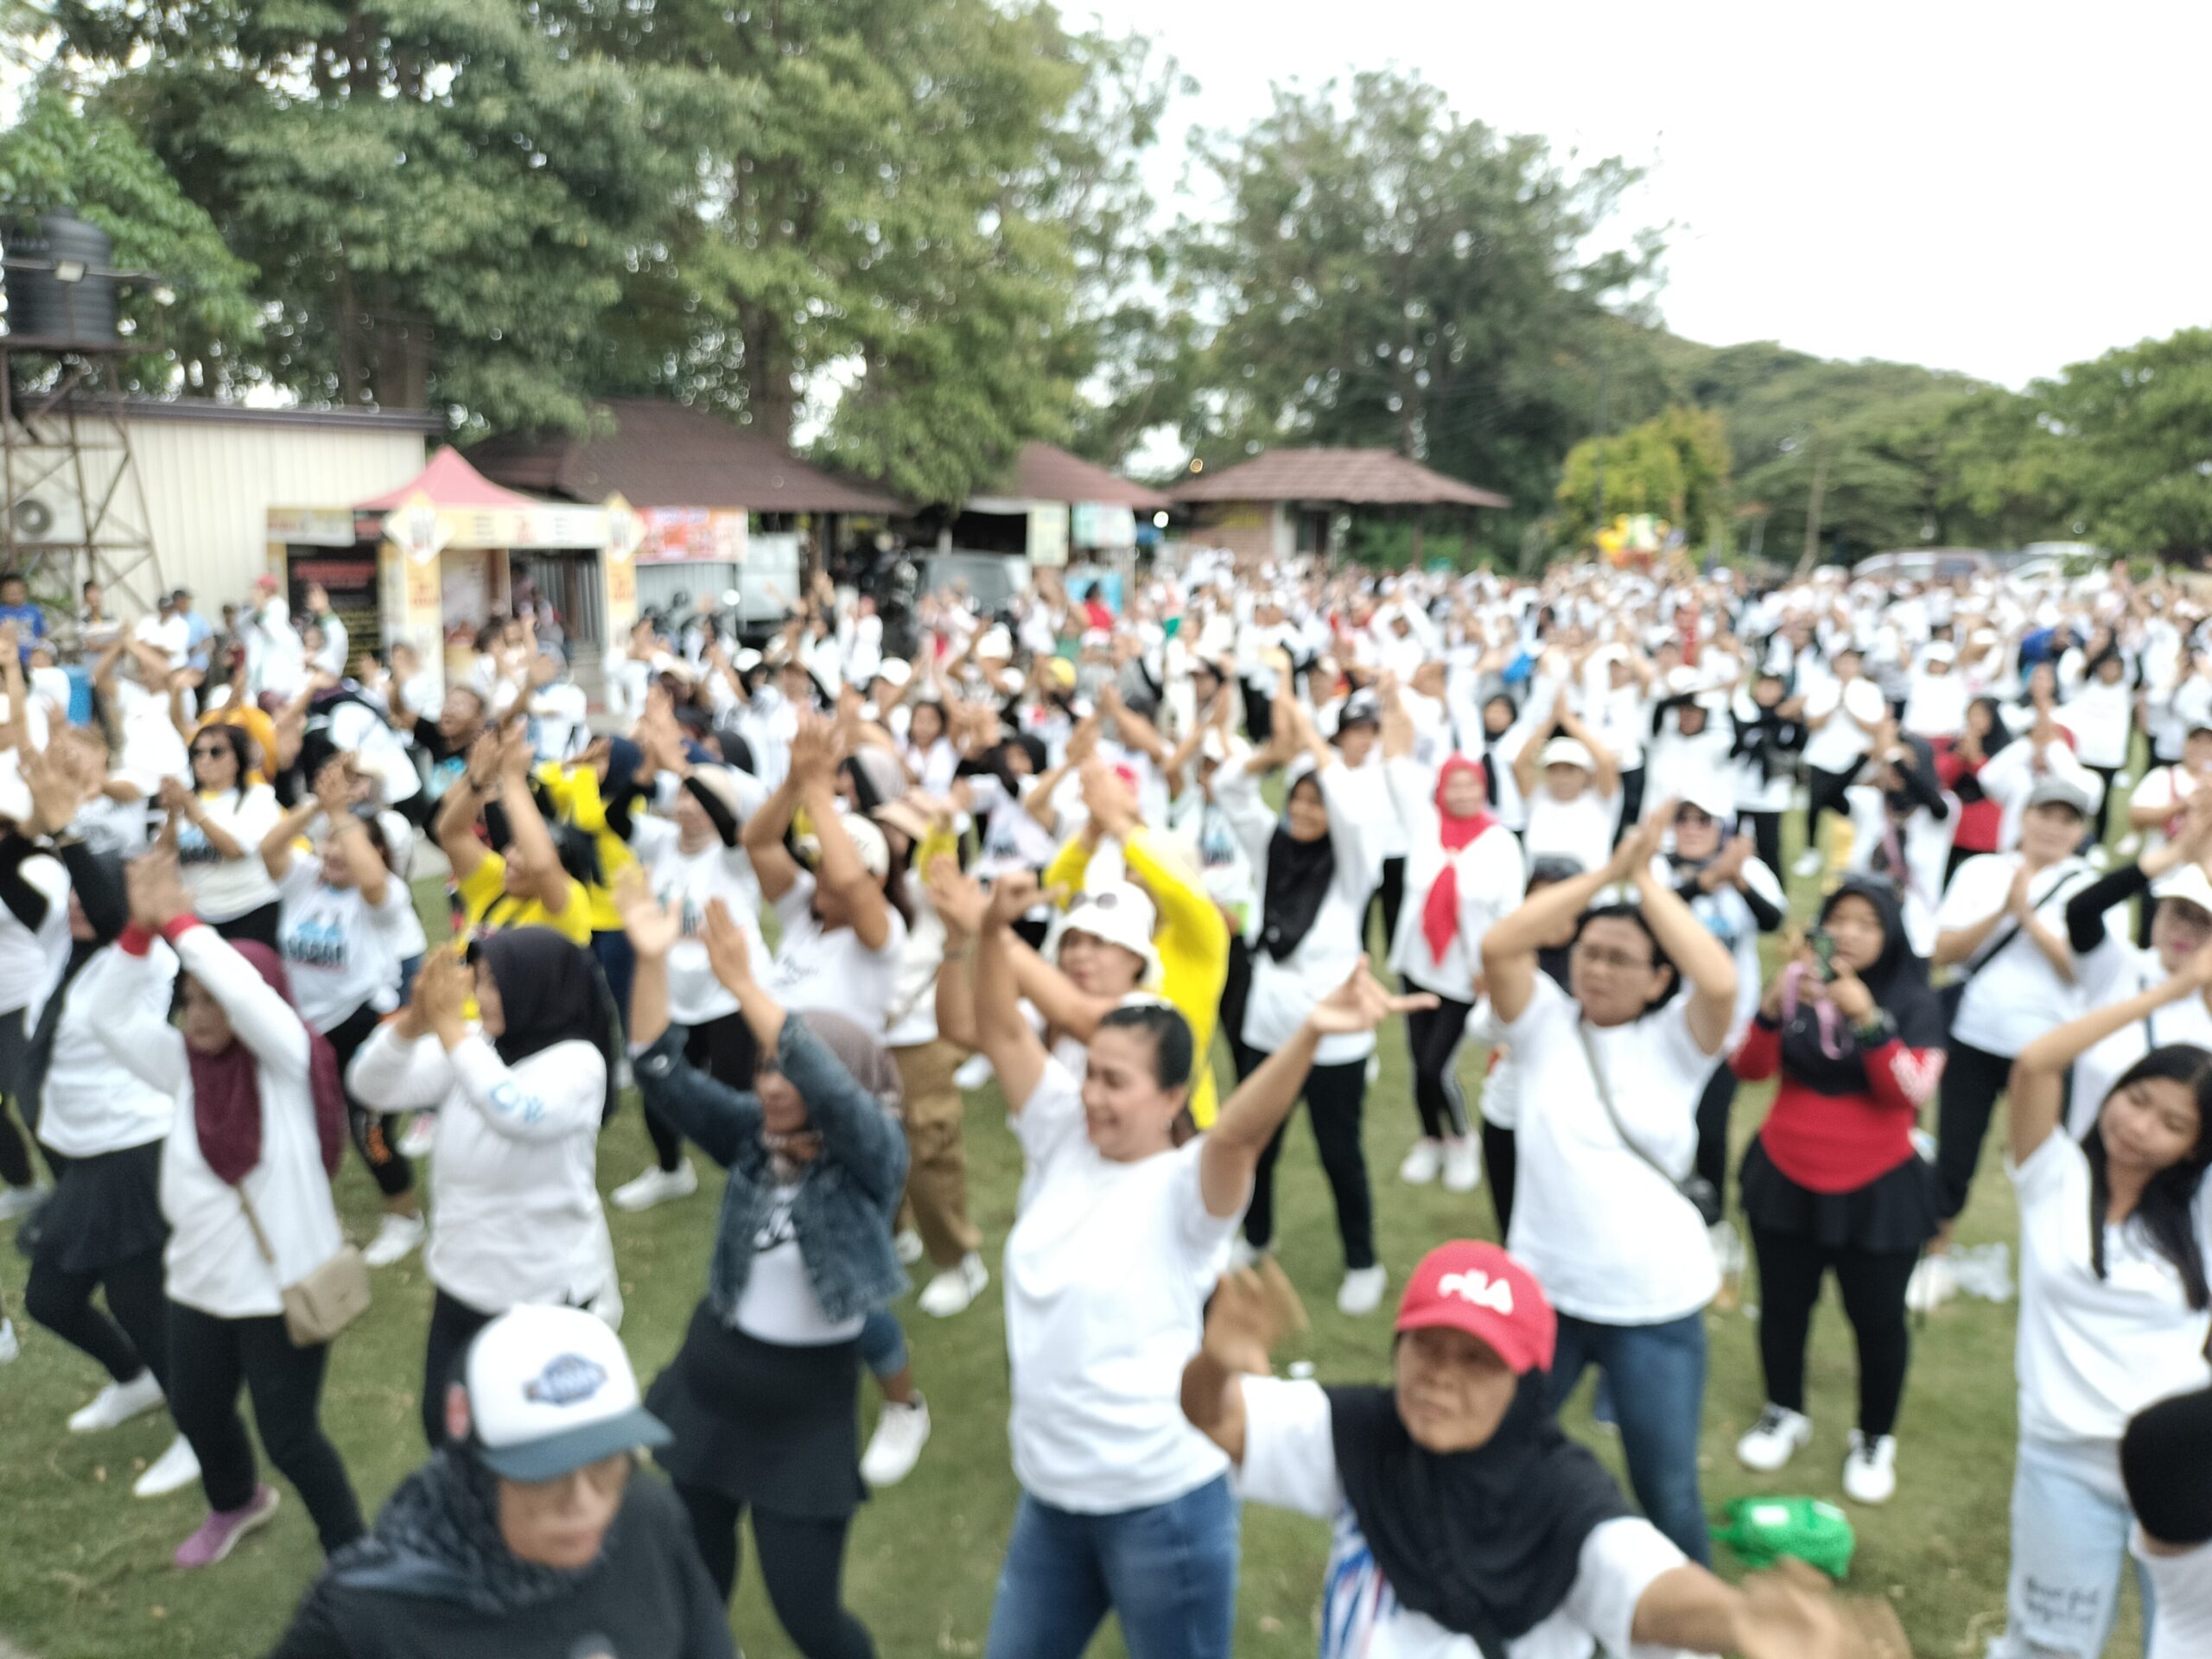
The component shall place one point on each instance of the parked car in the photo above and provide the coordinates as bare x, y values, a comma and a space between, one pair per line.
1924, 564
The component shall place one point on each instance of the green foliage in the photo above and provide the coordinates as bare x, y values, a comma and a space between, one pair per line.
2127, 439
60, 156
1674, 465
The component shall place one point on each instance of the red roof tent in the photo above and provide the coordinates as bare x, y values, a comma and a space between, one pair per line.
1372, 478
1044, 473
666, 455
449, 481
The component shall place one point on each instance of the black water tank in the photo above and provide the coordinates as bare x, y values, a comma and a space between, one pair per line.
41, 307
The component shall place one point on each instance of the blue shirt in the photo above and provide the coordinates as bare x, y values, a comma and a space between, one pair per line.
30, 623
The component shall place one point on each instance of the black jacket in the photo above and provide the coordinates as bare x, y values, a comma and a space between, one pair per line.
649, 1599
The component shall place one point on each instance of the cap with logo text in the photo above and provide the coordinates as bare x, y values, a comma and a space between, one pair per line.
1477, 1288
550, 1390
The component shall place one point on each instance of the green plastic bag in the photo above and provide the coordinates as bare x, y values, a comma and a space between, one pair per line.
1763, 1530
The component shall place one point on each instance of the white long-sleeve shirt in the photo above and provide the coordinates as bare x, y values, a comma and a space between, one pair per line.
514, 1196
212, 1262
91, 1104
1492, 882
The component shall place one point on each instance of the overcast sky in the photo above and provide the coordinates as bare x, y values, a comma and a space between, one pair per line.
1997, 189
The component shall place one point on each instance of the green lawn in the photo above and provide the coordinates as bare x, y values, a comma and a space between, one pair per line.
85, 1573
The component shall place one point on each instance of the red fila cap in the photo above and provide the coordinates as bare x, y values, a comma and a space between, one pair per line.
1479, 1289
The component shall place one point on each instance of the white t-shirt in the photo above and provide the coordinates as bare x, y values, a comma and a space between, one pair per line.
339, 950
1841, 743
2092, 1353
1290, 1461
2168, 789
224, 889
1107, 1272
778, 1304
687, 883
31, 958
1581, 828
2182, 1586
91, 1104
1610, 1239
2015, 995
1490, 880
2115, 971
832, 970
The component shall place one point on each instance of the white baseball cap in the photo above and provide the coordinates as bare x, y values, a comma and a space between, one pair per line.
550, 1390
2187, 882
867, 840
1118, 914
1568, 752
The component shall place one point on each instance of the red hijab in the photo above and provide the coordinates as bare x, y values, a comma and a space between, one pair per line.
1439, 916
226, 1088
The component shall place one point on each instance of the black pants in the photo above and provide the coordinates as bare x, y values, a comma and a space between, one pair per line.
15, 1145
1766, 837
1501, 1163
2102, 820
131, 1337
260, 925
453, 1326
1334, 1095
1632, 779
14, 1152
1389, 895
209, 1358
726, 1050
1825, 790
392, 1173
1432, 1036
1714, 1107
1791, 1266
801, 1568
1973, 1079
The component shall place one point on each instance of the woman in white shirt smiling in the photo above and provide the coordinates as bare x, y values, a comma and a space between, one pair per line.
216, 829
1611, 1078
1119, 1236
2115, 1311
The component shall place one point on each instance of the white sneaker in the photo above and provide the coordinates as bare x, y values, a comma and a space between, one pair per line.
397, 1235
421, 1133
974, 1072
1422, 1164
951, 1291
16, 1202
910, 1247
1374, 1068
1778, 1436
1727, 1249
1463, 1165
657, 1185
1808, 863
1870, 1473
900, 1435
118, 1402
9, 1347
1931, 1285
2100, 858
174, 1471
1362, 1290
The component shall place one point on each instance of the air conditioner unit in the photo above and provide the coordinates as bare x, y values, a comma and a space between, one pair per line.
50, 519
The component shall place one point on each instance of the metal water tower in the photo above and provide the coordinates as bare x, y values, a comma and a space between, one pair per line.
71, 506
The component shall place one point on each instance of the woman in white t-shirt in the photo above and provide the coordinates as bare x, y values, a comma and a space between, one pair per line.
1611, 1074
340, 934
2099, 686
216, 828
927, 752
1574, 810
1117, 1239
1842, 710
2115, 1311
1466, 1525
521, 1091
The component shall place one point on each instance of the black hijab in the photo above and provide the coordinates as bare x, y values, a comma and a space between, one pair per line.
551, 991
1898, 982
1298, 875
1486, 1543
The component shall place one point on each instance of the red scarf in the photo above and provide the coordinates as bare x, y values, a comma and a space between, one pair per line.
1439, 916
226, 1090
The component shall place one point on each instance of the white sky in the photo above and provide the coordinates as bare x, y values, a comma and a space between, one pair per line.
2000, 189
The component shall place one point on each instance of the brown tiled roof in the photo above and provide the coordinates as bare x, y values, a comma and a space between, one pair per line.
1355, 477
665, 454
1042, 473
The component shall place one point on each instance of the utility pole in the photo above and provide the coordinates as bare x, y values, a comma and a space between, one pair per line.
1811, 552
1604, 373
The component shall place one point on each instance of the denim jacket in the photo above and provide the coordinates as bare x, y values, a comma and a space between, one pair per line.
847, 1197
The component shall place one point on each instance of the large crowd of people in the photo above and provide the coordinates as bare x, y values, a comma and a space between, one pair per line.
809, 898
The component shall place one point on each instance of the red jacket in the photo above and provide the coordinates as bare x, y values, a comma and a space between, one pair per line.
1838, 1143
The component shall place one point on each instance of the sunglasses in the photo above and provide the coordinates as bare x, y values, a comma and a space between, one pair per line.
213, 750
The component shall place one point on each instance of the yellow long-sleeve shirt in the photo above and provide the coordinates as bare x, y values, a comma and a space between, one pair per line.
1193, 939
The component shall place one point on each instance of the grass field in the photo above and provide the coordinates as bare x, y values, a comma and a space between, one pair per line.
84, 1573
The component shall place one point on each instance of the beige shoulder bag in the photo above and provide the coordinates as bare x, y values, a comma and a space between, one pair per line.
325, 1302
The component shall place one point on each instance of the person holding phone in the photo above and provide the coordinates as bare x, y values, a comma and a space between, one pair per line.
1833, 1183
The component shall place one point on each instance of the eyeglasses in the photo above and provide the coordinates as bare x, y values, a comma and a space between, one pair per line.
1613, 959
212, 751
606, 1477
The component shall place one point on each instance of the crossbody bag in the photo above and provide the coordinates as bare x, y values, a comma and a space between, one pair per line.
1954, 992
1702, 1195
324, 1303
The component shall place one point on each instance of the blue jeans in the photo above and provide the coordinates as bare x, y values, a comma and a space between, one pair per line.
2071, 1523
1657, 1374
1168, 1572
618, 963
883, 1344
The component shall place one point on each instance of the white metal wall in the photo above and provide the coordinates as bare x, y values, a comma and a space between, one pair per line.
208, 486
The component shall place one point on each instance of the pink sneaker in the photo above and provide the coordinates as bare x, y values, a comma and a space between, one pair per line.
222, 1530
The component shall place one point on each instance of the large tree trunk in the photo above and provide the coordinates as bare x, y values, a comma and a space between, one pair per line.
771, 399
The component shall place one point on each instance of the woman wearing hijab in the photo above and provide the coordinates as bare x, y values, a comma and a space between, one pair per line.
763, 1396
1901, 826
260, 1123
521, 1091
1463, 871
1467, 1526
1832, 1184
1316, 869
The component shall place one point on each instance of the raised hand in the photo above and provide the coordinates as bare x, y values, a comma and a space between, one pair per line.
443, 990
814, 751
958, 897
333, 787
56, 790
1361, 1003
727, 949
155, 890
1013, 895
1243, 1323
651, 927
